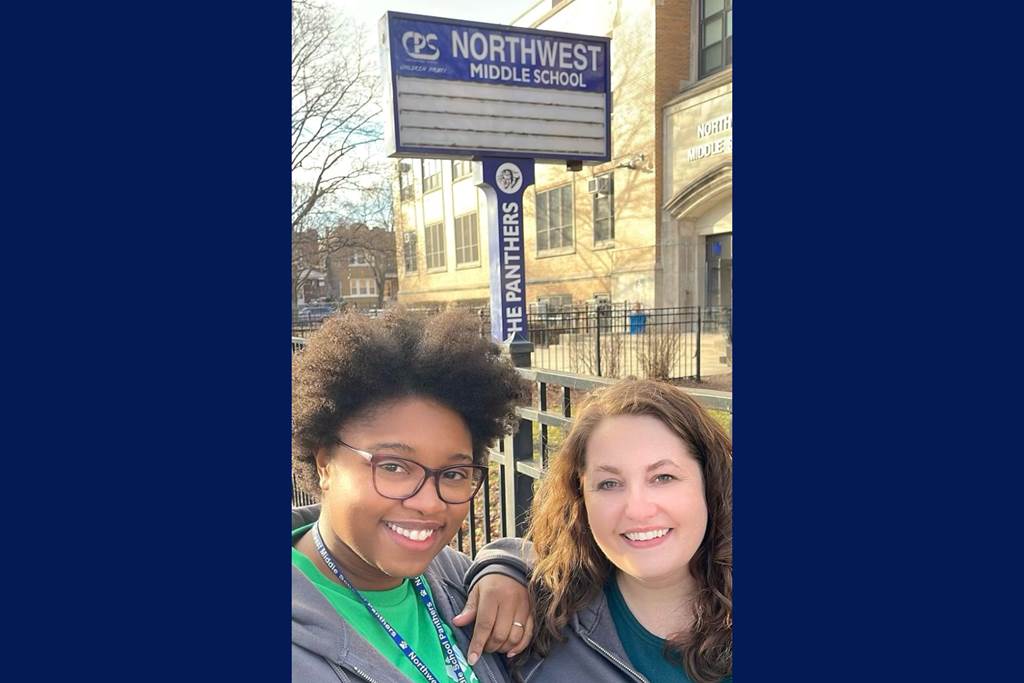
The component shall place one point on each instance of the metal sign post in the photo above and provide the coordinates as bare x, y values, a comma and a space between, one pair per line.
504, 181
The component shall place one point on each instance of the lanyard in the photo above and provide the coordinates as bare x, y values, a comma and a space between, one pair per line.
449, 653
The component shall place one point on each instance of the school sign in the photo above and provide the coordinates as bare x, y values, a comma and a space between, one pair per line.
507, 96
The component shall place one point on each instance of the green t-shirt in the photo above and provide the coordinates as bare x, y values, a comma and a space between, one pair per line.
402, 608
645, 650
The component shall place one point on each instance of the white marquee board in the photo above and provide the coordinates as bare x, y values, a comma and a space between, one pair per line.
467, 90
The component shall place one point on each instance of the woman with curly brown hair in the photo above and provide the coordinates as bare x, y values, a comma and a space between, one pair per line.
632, 536
391, 422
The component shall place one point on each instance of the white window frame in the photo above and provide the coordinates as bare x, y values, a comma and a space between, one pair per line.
610, 198
544, 197
467, 252
434, 246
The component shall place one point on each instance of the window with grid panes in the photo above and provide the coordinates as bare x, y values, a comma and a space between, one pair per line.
467, 239
434, 246
431, 174
362, 287
715, 36
461, 168
604, 213
409, 251
554, 218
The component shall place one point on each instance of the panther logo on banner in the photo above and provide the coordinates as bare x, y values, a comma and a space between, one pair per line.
509, 178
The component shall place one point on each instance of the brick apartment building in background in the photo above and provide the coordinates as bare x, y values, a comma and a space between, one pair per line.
653, 225
365, 278
361, 274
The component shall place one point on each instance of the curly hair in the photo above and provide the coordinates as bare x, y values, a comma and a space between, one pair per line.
354, 363
571, 570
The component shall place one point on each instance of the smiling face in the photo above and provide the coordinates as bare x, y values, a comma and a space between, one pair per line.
377, 540
644, 497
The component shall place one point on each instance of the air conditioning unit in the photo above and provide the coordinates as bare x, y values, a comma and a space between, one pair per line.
600, 185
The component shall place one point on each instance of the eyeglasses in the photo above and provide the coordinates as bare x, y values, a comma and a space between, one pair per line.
397, 478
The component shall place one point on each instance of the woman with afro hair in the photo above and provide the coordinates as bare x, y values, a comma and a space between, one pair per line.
392, 418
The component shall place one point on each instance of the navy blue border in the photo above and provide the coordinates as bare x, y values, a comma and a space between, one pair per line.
402, 151
147, 378
877, 487
146, 264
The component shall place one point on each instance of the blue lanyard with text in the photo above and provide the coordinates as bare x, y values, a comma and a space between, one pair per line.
449, 654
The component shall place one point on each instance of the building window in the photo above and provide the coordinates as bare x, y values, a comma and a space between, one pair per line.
461, 169
554, 218
604, 211
362, 287
715, 36
467, 239
406, 181
553, 303
431, 174
357, 258
434, 246
409, 251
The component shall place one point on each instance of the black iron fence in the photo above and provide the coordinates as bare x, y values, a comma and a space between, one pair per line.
619, 339
518, 461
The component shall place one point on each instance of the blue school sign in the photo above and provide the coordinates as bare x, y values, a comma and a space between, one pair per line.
424, 47
506, 96
468, 90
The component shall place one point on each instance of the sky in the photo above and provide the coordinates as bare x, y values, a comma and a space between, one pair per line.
492, 11
369, 12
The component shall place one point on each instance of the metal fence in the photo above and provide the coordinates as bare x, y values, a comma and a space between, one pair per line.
518, 461
618, 340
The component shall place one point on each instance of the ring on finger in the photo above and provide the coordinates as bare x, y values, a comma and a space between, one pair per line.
516, 623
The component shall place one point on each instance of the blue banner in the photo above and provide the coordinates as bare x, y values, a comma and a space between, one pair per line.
504, 182
505, 56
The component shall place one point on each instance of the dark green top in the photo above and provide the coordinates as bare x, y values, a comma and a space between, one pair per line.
646, 651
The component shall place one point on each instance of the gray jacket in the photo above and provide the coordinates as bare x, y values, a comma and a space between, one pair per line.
325, 648
592, 652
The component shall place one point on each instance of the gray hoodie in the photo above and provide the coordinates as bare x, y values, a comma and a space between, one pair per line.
325, 648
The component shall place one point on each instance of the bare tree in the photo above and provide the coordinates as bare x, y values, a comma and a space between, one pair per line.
375, 211
335, 114
376, 246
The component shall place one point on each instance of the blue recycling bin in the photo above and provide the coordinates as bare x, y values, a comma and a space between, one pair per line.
637, 322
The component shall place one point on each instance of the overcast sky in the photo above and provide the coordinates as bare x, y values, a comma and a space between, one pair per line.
493, 11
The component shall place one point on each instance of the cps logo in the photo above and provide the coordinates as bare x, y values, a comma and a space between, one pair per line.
419, 46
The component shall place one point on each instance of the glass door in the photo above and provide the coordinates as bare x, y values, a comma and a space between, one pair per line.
718, 266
